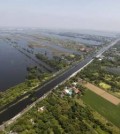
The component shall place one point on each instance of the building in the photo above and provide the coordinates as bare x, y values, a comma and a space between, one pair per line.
68, 91
76, 91
41, 109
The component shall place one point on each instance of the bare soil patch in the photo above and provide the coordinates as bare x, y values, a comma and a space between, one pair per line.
102, 93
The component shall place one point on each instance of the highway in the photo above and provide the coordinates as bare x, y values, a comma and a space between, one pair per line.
14, 110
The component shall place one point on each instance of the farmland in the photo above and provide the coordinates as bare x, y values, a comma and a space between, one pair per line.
40, 58
102, 106
65, 113
97, 74
57, 114
114, 100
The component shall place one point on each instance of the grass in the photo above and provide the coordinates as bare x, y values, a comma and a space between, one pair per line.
102, 106
104, 85
12, 93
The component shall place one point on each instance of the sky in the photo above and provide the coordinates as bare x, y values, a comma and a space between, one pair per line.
61, 14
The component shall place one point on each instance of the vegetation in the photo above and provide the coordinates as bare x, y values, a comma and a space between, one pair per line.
13, 93
97, 74
102, 71
57, 63
105, 108
34, 79
68, 114
60, 115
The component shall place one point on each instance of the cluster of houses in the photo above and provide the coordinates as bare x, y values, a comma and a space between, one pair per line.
101, 57
85, 49
71, 90
115, 51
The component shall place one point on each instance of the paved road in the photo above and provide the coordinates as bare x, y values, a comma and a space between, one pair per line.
17, 108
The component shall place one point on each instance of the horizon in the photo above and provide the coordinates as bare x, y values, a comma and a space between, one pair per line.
56, 15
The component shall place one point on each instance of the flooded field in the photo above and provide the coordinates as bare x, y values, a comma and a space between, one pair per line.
12, 66
18, 49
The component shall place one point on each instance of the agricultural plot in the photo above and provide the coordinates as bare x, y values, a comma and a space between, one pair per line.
96, 73
110, 111
114, 100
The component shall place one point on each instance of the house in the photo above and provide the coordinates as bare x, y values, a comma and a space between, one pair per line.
111, 58
68, 91
76, 90
82, 81
41, 109
74, 83
82, 49
100, 57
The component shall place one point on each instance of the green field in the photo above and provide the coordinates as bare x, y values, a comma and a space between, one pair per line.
102, 106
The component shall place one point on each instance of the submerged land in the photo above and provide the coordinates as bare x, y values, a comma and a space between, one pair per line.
89, 102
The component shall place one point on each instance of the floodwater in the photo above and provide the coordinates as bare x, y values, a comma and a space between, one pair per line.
18, 107
14, 60
78, 39
12, 66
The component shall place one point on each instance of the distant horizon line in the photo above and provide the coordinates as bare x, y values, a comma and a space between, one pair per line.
58, 29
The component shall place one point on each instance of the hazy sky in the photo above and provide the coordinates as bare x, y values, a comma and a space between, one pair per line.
69, 14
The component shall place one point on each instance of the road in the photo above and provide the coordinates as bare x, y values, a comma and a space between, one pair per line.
14, 110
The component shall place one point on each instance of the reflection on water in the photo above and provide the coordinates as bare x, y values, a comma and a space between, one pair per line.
13, 62
12, 66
